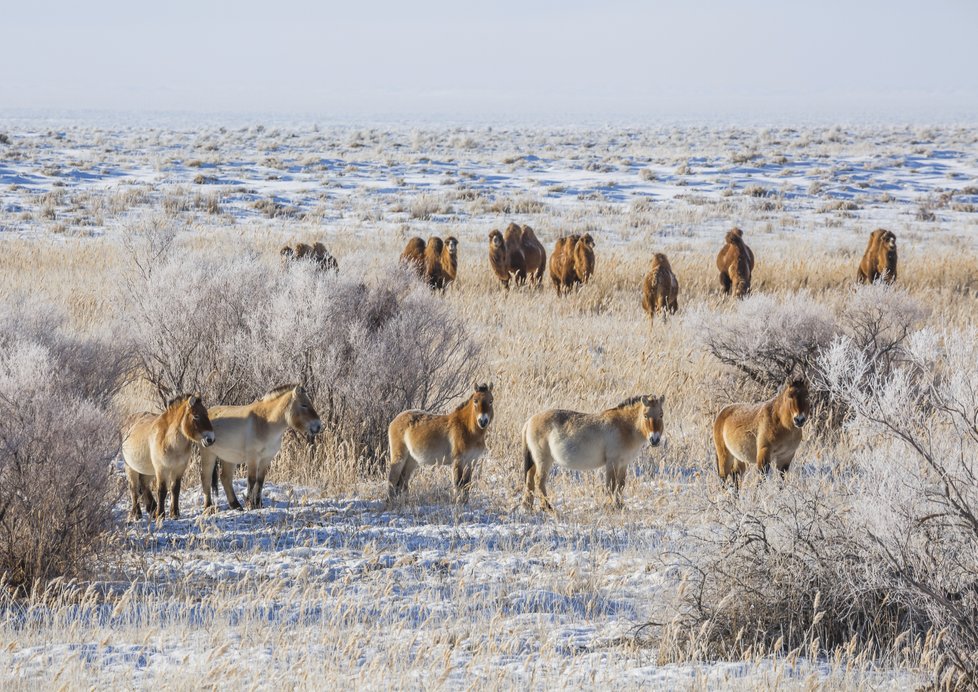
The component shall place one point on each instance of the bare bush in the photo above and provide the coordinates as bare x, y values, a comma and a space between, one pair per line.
56, 441
917, 431
767, 338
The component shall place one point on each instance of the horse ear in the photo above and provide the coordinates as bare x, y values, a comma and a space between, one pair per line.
300, 389
475, 386
646, 401
490, 386
662, 399
193, 400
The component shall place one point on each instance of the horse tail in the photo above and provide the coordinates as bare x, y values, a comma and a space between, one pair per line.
527, 456
214, 473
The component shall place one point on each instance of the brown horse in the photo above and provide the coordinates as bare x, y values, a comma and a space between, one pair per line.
534, 255
515, 259
413, 255
765, 434
880, 259
449, 260
498, 260
252, 435
158, 446
736, 264
585, 441
584, 258
660, 290
562, 273
429, 439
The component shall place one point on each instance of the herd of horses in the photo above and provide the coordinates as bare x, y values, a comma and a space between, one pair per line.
157, 448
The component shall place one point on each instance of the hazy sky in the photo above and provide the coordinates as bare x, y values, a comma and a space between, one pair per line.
428, 58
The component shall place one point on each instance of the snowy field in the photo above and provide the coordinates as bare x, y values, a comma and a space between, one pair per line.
329, 587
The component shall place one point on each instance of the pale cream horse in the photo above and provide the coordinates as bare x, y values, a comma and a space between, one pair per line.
252, 435
586, 441
158, 446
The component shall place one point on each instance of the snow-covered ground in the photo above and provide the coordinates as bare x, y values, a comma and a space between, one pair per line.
423, 595
87, 180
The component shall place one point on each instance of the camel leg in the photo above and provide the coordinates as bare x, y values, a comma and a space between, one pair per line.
725, 282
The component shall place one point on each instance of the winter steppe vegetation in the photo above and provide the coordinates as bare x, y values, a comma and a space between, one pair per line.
137, 263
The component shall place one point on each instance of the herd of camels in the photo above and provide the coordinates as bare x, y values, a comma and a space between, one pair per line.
157, 448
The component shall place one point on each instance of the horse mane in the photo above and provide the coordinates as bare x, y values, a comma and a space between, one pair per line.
178, 399
628, 402
281, 389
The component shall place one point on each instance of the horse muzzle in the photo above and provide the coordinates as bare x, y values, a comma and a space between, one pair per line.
655, 438
483, 421
799, 420
207, 439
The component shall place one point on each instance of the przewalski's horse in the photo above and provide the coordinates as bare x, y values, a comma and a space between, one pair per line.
765, 434
429, 439
158, 446
736, 264
660, 290
585, 441
880, 259
252, 435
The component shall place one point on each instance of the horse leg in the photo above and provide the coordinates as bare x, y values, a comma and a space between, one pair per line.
175, 500
227, 482
260, 482
612, 484
161, 489
399, 459
620, 471
764, 459
467, 469
135, 490
207, 462
410, 466
528, 489
146, 483
252, 482
674, 305
542, 471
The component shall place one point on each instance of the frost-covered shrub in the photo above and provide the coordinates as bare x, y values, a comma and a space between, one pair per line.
366, 345
57, 439
916, 432
767, 337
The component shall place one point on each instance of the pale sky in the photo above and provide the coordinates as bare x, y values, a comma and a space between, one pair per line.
459, 60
